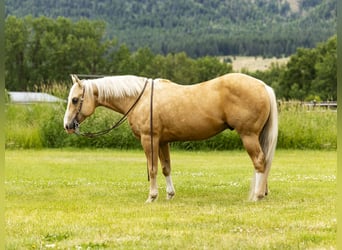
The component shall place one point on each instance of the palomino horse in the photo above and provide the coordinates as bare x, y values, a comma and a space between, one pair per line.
160, 112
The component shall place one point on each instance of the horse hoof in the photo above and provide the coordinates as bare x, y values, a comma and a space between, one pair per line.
151, 198
257, 197
169, 196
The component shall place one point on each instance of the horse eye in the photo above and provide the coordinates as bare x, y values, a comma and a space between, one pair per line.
74, 100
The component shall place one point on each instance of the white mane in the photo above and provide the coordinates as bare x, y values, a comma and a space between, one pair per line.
116, 86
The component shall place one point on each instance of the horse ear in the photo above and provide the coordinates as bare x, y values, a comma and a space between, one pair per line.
76, 80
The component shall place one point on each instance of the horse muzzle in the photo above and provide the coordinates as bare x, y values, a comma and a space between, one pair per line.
72, 127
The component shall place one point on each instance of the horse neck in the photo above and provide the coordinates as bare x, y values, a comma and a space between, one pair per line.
118, 104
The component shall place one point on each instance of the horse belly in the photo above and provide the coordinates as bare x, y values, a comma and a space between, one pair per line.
191, 128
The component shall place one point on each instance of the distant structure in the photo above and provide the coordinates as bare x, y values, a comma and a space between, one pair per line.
32, 97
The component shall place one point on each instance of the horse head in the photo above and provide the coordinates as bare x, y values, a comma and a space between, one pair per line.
80, 105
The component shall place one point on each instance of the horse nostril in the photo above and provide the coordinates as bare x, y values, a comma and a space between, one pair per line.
68, 126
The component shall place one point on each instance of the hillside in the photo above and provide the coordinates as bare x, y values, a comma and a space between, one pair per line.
200, 27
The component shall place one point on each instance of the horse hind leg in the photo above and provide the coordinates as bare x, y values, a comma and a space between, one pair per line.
164, 156
259, 183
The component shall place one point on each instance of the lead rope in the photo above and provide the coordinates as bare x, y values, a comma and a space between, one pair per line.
151, 129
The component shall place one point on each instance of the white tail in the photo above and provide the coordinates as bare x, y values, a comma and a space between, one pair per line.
269, 134
268, 141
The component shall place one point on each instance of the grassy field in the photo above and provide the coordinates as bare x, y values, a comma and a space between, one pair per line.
94, 199
252, 63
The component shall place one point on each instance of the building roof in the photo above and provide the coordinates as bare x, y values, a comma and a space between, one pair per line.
32, 97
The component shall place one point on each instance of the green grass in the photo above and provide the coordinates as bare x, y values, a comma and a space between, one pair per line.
304, 128
94, 199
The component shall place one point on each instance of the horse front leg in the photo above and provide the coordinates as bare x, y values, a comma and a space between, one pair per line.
151, 153
164, 156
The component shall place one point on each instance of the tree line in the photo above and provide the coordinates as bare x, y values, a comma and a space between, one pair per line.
310, 74
199, 27
45, 51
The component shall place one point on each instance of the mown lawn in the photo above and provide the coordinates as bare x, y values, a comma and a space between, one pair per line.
94, 199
